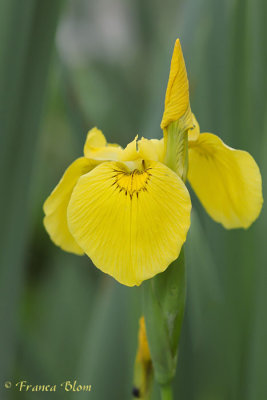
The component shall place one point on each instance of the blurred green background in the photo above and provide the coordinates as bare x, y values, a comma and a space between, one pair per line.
66, 66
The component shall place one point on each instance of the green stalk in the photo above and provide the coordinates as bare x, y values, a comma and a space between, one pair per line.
166, 392
164, 304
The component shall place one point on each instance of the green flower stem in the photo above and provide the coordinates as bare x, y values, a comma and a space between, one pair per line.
166, 392
164, 303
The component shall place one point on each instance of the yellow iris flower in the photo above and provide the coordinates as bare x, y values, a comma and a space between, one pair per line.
129, 209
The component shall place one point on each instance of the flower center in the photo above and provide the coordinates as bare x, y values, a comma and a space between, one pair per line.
132, 182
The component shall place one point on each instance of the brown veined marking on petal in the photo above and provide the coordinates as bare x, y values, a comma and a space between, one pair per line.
125, 181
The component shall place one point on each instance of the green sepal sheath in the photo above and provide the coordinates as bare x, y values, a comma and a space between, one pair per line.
164, 303
176, 143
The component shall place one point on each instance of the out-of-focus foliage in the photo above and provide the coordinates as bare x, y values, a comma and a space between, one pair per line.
26, 41
61, 319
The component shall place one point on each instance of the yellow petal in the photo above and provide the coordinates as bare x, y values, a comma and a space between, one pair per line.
193, 133
55, 207
177, 94
227, 181
132, 224
152, 149
130, 152
97, 148
94, 140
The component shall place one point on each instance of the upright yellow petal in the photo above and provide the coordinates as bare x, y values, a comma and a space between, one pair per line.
130, 152
177, 94
55, 207
131, 223
97, 148
95, 139
227, 181
151, 149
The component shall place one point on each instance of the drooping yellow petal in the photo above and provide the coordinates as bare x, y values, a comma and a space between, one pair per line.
193, 133
152, 149
55, 207
227, 181
131, 223
97, 148
177, 94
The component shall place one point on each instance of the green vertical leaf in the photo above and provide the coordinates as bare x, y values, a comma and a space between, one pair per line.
26, 41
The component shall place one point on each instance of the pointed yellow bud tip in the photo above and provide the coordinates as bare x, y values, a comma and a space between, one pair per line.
143, 353
177, 94
143, 370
